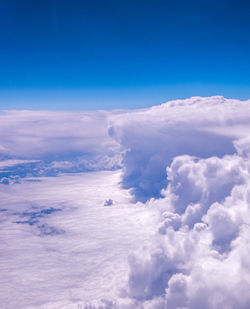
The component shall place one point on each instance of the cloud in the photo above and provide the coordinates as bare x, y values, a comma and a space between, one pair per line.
189, 160
61, 247
151, 138
199, 257
47, 143
184, 244
57, 135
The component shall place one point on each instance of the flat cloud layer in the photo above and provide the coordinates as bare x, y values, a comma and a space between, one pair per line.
55, 142
51, 135
60, 246
182, 243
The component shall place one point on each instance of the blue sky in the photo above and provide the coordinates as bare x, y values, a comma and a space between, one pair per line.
121, 54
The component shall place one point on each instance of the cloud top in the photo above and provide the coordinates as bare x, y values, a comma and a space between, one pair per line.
151, 138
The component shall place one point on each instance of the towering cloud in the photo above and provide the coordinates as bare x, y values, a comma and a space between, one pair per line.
195, 154
201, 127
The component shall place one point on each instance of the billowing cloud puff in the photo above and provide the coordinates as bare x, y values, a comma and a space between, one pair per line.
199, 257
201, 127
189, 160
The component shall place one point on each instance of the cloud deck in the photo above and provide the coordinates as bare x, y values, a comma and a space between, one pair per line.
177, 234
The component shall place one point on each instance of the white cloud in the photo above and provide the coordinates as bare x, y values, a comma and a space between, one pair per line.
54, 135
196, 258
201, 127
201, 259
47, 143
187, 246
61, 247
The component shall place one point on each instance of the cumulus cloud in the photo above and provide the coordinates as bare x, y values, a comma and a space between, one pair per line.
201, 127
189, 160
198, 259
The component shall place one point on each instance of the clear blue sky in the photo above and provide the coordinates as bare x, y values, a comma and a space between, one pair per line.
90, 54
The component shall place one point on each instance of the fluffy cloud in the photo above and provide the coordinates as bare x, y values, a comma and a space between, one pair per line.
189, 160
201, 127
199, 257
